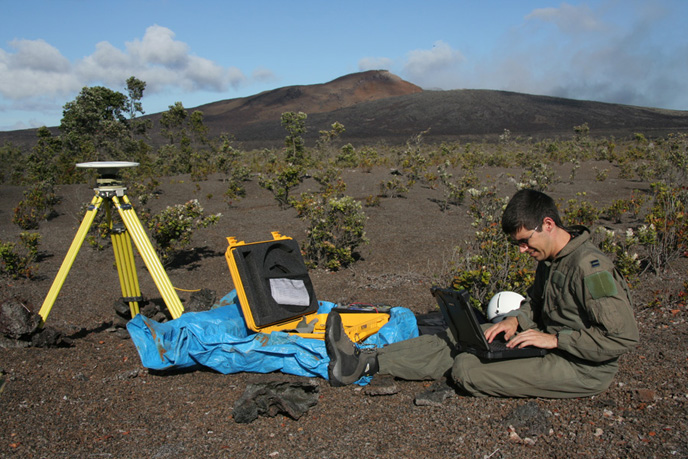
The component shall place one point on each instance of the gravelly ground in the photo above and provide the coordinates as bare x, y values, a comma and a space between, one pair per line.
94, 399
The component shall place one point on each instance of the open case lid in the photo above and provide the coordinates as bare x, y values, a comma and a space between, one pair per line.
272, 282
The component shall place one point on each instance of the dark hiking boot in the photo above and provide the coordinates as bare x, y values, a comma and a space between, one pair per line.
348, 363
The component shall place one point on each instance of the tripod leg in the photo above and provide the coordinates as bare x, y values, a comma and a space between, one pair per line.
145, 248
126, 267
69, 258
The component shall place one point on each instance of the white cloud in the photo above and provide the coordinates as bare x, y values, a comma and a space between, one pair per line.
441, 56
160, 61
605, 62
159, 47
569, 19
39, 56
206, 75
107, 65
435, 67
586, 56
37, 69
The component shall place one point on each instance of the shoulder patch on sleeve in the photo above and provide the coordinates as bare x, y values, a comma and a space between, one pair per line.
601, 284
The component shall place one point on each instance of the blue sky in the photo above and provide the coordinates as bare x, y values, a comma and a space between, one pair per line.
623, 51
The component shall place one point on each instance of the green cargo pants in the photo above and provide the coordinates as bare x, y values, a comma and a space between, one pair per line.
551, 376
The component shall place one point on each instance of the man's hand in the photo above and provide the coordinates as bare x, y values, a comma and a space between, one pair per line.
531, 337
534, 338
508, 326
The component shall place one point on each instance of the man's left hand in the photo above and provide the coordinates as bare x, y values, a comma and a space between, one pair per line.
534, 338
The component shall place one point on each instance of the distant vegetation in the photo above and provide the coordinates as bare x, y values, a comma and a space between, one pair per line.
101, 124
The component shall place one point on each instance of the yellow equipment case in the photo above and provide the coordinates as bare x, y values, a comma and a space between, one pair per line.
276, 294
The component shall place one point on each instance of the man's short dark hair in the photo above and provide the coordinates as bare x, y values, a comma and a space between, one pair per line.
527, 209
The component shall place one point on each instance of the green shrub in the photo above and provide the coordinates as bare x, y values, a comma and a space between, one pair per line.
326, 139
432, 179
335, 222
393, 188
655, 244
335, 230
173, 228
372, 201
489, 263
412, 162
617, 209
665, 236
580, 212
635, 204
538, 176
677, 159
16, 261
30, 242
281, 182
12, 164
38, 205
295, 124
201, 165
143, 190
601, 174
622, 250
347, 156
575, 165
627, 170
368, 158
235, 191
172, 160
453, 191
330, 181
305, 202
229, 161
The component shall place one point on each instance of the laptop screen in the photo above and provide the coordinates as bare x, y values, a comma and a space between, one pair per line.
467, 332
461, 318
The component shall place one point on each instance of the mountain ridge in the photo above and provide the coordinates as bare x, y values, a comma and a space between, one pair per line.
378, 106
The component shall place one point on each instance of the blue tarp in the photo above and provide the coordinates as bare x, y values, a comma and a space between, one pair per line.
219, 339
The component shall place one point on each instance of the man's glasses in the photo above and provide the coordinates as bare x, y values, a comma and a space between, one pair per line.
524, 242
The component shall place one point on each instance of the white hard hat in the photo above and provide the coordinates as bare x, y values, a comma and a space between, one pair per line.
502, 303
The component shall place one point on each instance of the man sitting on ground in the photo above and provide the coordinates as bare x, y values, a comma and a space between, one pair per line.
579, 306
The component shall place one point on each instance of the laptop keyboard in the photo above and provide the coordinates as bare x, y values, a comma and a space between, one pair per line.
498, 345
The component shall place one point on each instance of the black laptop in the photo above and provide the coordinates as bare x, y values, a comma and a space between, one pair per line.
463, 324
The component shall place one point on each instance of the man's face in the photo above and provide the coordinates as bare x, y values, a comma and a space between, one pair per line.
535, 242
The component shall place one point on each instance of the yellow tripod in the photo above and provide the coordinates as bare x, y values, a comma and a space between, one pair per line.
111, 192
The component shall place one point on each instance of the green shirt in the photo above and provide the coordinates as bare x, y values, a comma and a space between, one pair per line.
581, 297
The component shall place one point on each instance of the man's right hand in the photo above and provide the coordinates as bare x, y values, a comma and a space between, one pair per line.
507, 326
